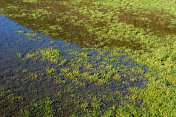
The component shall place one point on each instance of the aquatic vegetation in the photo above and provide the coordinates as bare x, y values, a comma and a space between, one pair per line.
117, 77
25, 71
119, 31
43, 108
89, 66
30, 35
51, 71
32, 56
52, 42
65, 70
20, 31
33, 76
84, 55
63, 62
19, 55
51, 55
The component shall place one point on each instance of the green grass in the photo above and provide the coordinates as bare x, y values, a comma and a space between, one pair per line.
78, 71
140, 29
51, 71
30, 1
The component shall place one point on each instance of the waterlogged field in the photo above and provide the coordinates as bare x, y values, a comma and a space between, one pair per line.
119, 58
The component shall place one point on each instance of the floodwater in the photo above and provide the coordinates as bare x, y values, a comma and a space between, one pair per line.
13, 70
12, 43
12, 74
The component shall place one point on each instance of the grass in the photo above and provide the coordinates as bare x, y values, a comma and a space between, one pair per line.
50, 55
31, 36
81, 73
19, 55
137, 29
51, 71
30, 1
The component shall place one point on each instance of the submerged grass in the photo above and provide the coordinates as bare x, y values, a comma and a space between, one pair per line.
137, 29
89, 76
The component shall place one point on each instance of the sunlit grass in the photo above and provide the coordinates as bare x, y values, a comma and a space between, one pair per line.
30, 1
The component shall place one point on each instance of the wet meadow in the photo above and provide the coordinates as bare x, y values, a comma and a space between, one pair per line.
74, 58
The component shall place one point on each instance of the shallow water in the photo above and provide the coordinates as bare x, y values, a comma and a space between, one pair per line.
12, 43
14, 71
12, 76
